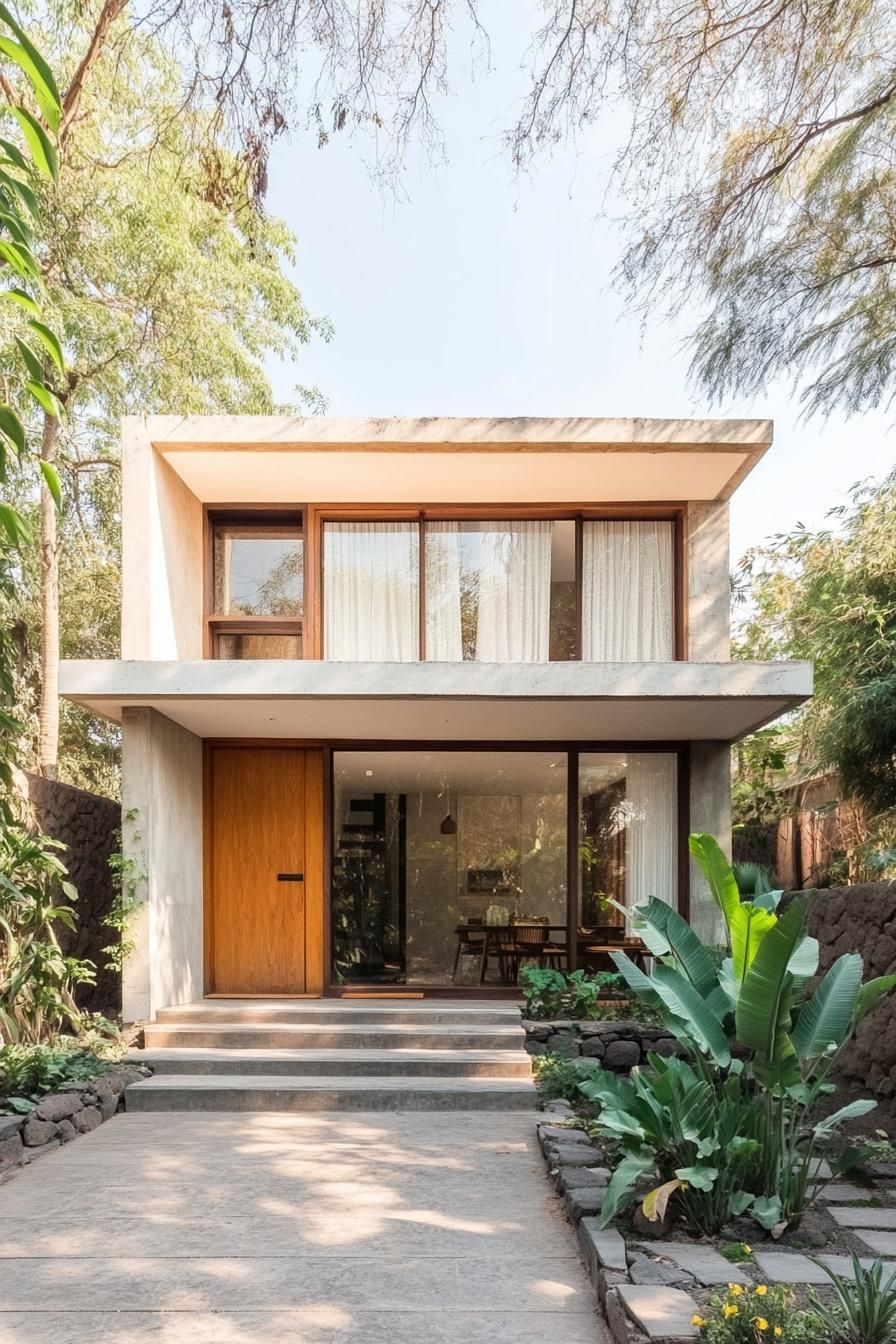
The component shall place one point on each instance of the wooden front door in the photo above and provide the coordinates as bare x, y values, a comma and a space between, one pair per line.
264, 903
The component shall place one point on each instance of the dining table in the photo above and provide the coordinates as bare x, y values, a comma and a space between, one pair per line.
499, 936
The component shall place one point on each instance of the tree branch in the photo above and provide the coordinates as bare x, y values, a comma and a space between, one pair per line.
72, 100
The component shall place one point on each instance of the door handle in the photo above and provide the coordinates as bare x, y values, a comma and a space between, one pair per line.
290, 877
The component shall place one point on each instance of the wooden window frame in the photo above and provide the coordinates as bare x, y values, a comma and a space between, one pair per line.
279, 517
313, 518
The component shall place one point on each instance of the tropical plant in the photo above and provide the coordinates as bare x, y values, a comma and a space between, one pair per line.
27, 1072
745, 1012
36, 979
758, 1314
865, 1309
560, 994
558, 1078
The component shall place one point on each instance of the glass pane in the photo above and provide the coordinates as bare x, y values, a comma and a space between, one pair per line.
628, 591
488, 591
371, 592
259, 571
628, 837
427, 846
564, 616
258, 646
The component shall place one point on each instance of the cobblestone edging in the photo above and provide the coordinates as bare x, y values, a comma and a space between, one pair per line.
650, 1290
60, 1116
619, 1045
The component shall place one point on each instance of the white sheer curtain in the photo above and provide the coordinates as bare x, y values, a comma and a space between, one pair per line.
444, 628
651, 838
371, 592
514, 592
627, 591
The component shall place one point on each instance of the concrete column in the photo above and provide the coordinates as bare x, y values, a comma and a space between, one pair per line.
710, 803
709, 585
162, 835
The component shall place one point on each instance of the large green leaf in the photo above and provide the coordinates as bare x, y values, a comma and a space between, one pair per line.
43, 151
40, 76
748, 926
50, 342
871, 994
804, 962
635, 978
623, 1182
695, 959
692, 1009
849, 1112
826, 1018
716, 869
763, 1008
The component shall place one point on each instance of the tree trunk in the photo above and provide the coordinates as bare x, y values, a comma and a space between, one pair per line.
49, 606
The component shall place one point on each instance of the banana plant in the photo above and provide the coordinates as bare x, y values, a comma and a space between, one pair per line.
745, 1010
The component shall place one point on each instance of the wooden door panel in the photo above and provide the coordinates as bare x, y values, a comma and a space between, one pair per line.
258, 829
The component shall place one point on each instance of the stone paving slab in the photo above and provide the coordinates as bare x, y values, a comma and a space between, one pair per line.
317, 1229
791, 1267
704, 1262
662, 1313
881, 1243
866, 1217
842, 1192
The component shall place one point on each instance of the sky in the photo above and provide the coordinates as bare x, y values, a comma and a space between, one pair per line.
476, 292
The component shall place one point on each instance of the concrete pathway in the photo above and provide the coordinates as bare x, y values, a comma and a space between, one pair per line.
425, 1228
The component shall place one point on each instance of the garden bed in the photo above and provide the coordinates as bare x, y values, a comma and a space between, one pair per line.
72, 1109
655, 1283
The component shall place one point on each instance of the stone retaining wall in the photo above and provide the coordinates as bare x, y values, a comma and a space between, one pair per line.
619, 1045
87, 824
59, 1117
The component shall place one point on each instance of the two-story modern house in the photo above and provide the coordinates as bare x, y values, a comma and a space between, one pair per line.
387, 683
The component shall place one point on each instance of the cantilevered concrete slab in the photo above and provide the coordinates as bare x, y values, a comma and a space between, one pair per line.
447, 702
314, 459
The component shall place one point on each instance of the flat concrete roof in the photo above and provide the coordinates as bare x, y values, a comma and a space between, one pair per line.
315, 459
447, 702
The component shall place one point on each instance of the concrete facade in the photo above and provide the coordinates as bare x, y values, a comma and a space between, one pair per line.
169, 699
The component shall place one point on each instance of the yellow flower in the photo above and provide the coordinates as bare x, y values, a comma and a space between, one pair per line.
735, 1289
761, 1290
697, 1320
746, 1248
778, 1331
761, 1323
730, 1310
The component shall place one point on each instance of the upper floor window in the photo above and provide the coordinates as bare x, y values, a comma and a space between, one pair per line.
257, 589
628, 603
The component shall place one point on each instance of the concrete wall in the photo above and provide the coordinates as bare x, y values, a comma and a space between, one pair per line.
708, 583
162, 810
710, 807
162, 557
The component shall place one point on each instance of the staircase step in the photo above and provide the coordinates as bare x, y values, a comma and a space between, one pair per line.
264, 1092
360, 1035
343, 1012
356, 1063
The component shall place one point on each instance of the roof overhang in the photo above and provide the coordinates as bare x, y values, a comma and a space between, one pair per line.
250, 459
447, 702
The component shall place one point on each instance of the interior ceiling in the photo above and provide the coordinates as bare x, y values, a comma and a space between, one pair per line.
263, 476
471, 772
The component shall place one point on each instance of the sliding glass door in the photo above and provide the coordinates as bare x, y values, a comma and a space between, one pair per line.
432, 849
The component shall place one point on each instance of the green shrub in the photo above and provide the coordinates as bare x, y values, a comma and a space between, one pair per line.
558, 1079
27, 1072
753, 1315
865, 1308
551, 995
745, 1131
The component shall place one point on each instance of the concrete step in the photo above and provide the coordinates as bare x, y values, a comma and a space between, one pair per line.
345, 1035
264, 1092
354, 1063
322, 1012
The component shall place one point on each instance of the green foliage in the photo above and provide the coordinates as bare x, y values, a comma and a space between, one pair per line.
36, 980
742, 1128
27, 1072
551, 995
557, 1078
865, 1310
830, 596
128, 882
758, 1314
737, 1252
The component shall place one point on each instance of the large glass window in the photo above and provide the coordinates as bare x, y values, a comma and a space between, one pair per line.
372, 592
429, 847
627, 591
258, 573
628, 833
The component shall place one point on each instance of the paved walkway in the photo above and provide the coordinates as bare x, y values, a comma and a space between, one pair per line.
312, 1229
